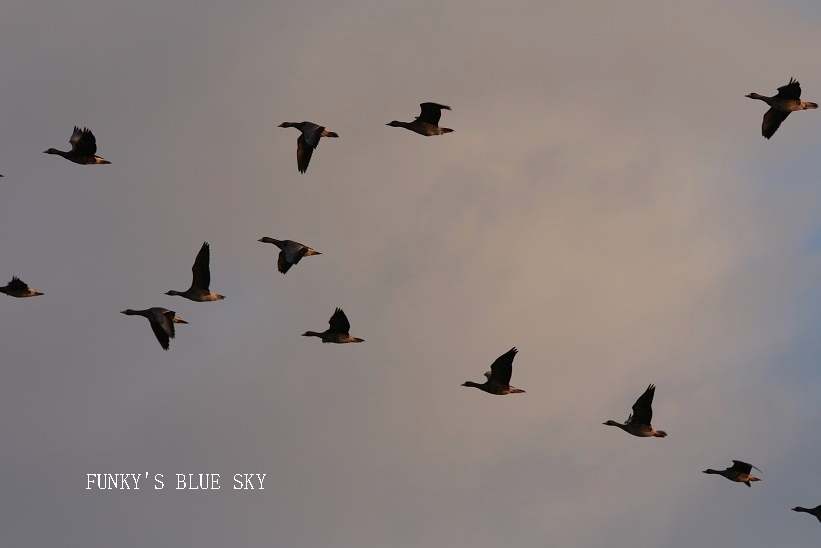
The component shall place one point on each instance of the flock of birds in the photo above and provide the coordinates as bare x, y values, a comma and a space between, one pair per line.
84, 151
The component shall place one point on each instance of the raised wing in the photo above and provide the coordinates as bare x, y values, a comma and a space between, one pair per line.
502, 368
772, 121
743, 467
431, 112
643, 408
790, 91
16, 284
339, 322
201, 269
83, 142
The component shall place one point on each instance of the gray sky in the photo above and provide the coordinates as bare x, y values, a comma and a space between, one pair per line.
606, 204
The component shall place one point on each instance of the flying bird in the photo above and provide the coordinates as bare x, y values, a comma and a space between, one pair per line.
199, 290
307, 142
739, 471
812, 511
427, 123
162, 322
18, 288
338, 332
787, 100
83, 148
638, 423
498, 378
291, 252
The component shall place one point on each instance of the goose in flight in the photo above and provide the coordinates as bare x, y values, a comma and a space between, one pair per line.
812, 511
291, 252
498, 378
427, 123
199, 290
739, 471
307, 142
18, 288
83, 148
162, 322
638, 423
787, 100
338, 330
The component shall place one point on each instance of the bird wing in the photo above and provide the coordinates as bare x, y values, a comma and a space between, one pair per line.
283, 264
303, 153
294, 251
772, 121
743, 467
502, 368
312, 133
339, 322
643, 408
83, 142
16, 284
163, 327
431, 112
790, 91
201, 270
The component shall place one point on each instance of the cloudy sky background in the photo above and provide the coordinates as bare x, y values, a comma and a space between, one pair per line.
606, 204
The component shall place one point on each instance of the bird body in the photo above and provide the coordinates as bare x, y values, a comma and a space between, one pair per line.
18, 288
83, 148
739, 471
427, 123
162, 322
338, 330
291, 252
787, 100
307, 142
201, 281
498, 378
638, 423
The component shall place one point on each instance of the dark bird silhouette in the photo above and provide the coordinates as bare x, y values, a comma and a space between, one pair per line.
739, 471
18, 288
199, 290
787, 100
162, 322
291, 252
83, 148
638, 423
498, 378
427, 123
338, 332
307, 142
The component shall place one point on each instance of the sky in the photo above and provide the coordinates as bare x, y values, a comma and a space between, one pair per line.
606, 204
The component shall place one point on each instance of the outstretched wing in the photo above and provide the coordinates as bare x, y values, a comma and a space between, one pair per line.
431, 112
339, 322
643, 408
201, 269
772, 121
83, 142
502, 368
790, 91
